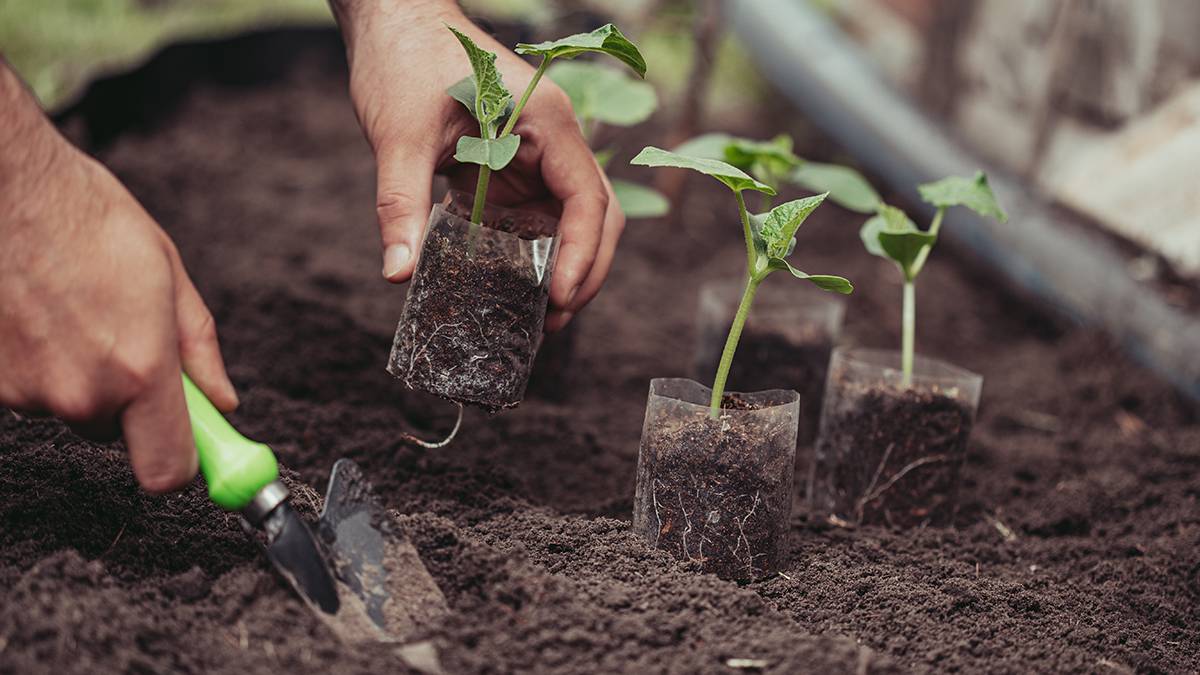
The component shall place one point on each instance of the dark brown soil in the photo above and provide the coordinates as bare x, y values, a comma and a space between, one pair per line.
890, 456
551, 378
718, 491
473, 318
1076, 547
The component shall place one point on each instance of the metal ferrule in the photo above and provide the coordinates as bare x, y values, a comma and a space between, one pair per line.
267, 500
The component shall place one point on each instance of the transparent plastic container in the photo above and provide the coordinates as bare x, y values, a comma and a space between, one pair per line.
473, 318
888, 453
718, 492
786, 343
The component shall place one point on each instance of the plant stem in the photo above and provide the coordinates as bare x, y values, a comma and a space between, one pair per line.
731, 343
512, 119
908, 335
751, 254
481, 186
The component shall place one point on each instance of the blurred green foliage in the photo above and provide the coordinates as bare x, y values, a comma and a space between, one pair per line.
58, 45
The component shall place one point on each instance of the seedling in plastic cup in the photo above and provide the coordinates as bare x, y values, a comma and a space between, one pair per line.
769, 238
892, 234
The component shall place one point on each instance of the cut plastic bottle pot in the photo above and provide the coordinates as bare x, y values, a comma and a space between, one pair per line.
717, 491
473, 318
786, 343
887, 453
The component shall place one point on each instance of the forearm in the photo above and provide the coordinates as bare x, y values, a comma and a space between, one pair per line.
29, 143
354, 17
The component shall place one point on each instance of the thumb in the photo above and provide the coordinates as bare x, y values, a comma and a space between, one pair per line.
402, 203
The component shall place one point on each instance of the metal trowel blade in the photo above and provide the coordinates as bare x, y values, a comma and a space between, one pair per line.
379, 565
294, 551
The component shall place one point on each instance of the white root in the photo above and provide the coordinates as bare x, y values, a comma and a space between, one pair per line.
409, 438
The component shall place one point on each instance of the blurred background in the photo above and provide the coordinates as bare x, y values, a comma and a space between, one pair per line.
1088, 111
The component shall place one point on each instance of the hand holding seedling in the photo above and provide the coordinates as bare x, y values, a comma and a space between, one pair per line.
770, 239
892, 234
402, 62
97, 314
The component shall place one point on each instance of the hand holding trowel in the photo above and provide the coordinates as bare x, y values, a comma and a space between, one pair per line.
380, 590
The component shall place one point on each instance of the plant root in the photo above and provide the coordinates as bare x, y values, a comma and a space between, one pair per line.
434, 445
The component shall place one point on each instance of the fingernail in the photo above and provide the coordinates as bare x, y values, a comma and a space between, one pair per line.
395, 259
572, 294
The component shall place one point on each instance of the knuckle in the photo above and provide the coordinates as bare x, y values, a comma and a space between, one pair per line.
392, 206
136, 368
201, 330
72, 404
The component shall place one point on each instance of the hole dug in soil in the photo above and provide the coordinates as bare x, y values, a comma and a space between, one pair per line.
888, 453
473, 320
717, 491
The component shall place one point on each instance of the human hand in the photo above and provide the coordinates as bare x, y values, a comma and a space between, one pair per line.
97, 315
402, 60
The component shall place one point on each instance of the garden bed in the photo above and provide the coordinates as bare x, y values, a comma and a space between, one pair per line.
1077, 546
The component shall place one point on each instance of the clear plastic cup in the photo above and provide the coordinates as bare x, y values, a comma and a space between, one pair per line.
718, 492
786, 342
472, 321
888, 453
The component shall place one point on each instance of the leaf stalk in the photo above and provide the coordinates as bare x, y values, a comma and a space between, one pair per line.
537, 76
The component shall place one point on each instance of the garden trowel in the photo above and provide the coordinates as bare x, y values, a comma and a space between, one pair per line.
381, 589
243, 476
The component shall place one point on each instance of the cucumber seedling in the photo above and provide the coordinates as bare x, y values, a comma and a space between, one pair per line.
770, 239
774, 163
491, 103
891, 234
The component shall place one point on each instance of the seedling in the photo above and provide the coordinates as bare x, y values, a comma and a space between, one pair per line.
774, 163
604, 95
770, 238
892, 234
491, 103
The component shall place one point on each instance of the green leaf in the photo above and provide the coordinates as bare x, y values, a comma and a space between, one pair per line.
778, 230
492, 98
640, 202
774, 156
604, 40
756, 238
846, 187
973, 193
710, 146
733, 178
891, 234
826, 282
763, 159
495, 153
463, 91
604, 94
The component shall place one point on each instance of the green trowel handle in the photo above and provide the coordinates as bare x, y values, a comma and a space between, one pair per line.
235, 467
